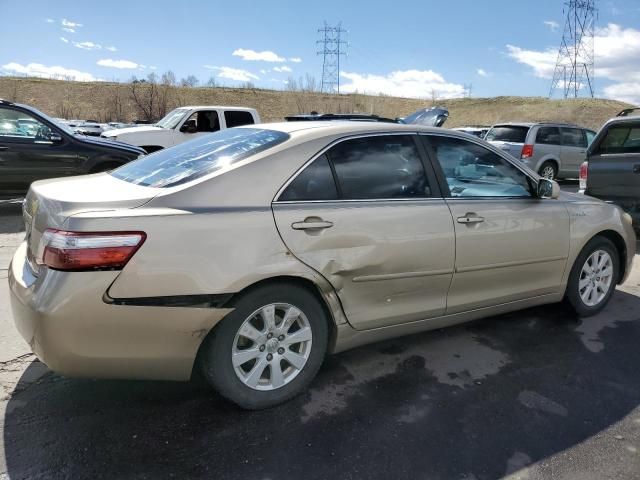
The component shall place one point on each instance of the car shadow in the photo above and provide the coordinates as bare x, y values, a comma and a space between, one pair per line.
472, 401
10, 217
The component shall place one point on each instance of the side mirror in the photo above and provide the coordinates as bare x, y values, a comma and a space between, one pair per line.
548, 189
55, 137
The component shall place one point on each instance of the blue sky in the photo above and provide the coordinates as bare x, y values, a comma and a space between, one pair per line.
412, 48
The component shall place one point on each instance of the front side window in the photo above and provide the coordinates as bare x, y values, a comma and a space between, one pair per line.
548, 136
474, 171
17, 126
620, 139
573, 137
202, 121
201, 156
379, 167
237, 118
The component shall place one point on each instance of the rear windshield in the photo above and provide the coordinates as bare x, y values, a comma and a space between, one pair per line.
507, 134
198, 157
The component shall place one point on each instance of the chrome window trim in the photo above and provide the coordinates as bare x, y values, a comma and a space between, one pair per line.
329, 146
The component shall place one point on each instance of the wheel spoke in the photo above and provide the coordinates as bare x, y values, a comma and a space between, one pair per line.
243, 356
592, 293
268, 314
277, 379
583, 283
302, 335
607, 272
290, 316
586, 293
256, 372
249, 331
294, 359
602, 259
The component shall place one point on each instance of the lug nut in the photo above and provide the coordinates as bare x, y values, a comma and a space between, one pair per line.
262, 348
281, 350
269, 335
281, 337
269, 357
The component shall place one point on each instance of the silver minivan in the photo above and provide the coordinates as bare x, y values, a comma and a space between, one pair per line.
554, 150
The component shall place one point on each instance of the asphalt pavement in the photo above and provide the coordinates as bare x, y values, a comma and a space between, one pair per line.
533, 394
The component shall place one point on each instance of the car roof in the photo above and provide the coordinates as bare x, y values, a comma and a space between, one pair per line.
216, 107
336, 127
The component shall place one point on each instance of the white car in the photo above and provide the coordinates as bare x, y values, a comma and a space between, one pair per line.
182, 124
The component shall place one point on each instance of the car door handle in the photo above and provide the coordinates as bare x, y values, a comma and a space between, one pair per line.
636, 168
311, 224
470, 218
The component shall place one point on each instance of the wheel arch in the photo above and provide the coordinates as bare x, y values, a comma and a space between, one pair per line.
621, 247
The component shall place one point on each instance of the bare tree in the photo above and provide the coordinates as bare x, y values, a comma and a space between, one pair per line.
248, 85
190, 81
169, 78
211, 82
145, 96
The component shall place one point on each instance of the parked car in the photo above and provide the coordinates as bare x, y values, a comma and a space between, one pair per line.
554, 150
182, 124
479, 132
254, 251
91, 129
428, 117
612, 169
34, 146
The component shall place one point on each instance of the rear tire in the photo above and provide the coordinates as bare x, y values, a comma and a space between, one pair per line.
593, 277
548, 170
257, 363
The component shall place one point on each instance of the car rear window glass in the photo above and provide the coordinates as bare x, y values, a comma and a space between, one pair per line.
198, 157
314, 183
238, 118
548, 136
622, 139
573, 137
377, 167
507, 133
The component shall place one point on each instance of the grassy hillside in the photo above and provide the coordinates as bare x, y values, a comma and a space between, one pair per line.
113, 101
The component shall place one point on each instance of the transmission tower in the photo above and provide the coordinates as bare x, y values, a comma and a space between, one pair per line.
575, 65
331, 47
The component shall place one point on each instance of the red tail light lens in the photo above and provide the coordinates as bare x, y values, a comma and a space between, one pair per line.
584, 172
527, 152
76, 251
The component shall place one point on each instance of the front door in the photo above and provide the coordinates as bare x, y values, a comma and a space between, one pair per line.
197, 124
509, 245
368, 217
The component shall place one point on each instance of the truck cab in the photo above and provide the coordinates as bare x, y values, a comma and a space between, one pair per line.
182, 124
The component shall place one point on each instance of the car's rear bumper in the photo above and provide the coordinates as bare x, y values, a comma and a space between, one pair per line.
70, 328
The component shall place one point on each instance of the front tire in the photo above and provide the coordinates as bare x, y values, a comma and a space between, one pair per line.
269, 348
548, 170
593, 277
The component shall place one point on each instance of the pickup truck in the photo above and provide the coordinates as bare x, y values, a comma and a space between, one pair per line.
182, 124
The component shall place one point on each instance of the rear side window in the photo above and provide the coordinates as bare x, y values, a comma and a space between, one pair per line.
573, 137
379, 167
238, 118
507, 133
620, 139
199, 157
314, 183
548, 136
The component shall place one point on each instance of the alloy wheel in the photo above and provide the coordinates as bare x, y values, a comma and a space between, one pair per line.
596, 278
272, 346
548, 172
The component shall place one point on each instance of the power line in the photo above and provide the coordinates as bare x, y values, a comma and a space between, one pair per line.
575, 64
331, 49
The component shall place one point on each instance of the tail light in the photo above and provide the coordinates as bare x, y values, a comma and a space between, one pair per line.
527, 152
76, 251
584, 172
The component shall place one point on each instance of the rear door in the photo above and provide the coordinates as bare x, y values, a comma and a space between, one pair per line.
574, 151
509, 138
368, 216
614, 166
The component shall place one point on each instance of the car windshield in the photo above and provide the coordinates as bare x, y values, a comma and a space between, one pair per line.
171, 119
199, 157
510, 133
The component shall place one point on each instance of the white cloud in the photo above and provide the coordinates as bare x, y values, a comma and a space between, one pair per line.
617, 53
87, 45
111, 49
49, 20
281, 69
69, 23
252, 55
295, 59
402, 83
70, 30
482, 72
124, 64
553, 26
64, 40
58, 72
236, 74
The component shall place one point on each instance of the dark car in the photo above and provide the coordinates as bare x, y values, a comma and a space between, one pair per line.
33, 146
612, 170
